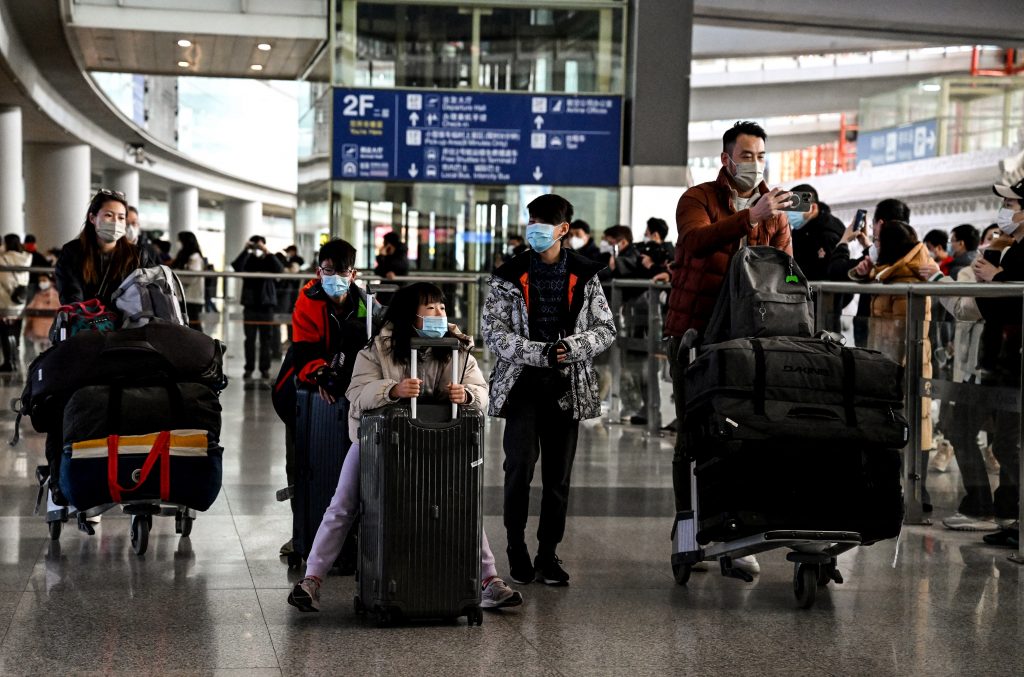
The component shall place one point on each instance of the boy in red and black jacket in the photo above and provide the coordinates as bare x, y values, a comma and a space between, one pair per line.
328, 331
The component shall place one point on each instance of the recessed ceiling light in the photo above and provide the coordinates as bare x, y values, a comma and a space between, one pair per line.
931, 87
183, 64
184, 43
256, 67
263, 46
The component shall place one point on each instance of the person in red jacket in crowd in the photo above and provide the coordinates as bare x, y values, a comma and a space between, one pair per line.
328, 331
714, 220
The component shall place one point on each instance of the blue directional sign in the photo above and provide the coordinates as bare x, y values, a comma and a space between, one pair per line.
912, 141
469, 137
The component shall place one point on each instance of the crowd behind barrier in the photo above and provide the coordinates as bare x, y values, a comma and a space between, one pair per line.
639, 342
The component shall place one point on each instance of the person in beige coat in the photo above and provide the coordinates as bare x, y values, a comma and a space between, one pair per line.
381, 377
13, 292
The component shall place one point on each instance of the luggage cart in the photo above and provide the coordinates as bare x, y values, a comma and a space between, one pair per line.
141, 512
814, 552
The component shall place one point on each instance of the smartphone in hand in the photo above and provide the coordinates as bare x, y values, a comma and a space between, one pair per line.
993, 256
859, 220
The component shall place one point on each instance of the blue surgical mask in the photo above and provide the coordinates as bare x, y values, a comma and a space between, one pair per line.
335, 286
540, 236
797, 220
433, 326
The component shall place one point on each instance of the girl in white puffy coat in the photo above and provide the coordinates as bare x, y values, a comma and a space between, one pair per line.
13, 293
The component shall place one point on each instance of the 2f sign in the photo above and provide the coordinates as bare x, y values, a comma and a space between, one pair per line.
357, 105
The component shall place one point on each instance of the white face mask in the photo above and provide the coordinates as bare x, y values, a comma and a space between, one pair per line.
43, 286
1004, 219
577, 242
131, 234
110, 231
606, 247
873, 253
747, 175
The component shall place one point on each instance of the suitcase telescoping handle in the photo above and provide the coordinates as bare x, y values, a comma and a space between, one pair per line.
417, 343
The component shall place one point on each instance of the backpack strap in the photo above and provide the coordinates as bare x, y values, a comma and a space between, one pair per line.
760, 376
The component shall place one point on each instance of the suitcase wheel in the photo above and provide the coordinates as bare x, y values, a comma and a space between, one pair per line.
681, 572
294, 560
139, 532
805, 583
183, 524
55, 527
475, 616
384, 616
357, 604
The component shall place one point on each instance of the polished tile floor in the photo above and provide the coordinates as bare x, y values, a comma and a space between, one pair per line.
215, 603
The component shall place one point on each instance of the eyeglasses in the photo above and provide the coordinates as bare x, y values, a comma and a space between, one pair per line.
112, 193
332, 271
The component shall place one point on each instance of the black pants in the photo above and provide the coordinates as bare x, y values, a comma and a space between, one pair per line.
680, 463
535, 425
257, 322
961, 430
194, 312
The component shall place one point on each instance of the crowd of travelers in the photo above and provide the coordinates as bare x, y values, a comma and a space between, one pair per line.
548, 323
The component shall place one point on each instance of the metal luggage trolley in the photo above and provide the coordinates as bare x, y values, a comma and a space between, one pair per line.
814, 552
141, 512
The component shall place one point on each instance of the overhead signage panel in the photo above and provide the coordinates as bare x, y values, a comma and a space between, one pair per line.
469, 137
914, 141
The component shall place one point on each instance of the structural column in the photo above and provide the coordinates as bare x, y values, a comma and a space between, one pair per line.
242, 220
11, 186
182, 211
655, 172
124, 180
57, 191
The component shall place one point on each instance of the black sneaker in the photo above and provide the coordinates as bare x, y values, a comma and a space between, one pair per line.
549, 570
519, 566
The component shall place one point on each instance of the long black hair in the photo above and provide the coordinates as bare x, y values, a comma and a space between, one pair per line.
401, 317
189, 246
895, 240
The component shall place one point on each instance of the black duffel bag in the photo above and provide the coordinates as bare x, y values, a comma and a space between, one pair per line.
155, 353
152, 443
792, 387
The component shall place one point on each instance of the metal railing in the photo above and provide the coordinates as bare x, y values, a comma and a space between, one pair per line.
640, 334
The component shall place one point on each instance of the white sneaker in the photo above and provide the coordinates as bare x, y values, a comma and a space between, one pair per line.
962, 522
498, 595
747, 563
305, 596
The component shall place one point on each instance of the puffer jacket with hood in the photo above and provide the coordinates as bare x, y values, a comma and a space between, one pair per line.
375, 373
887, 328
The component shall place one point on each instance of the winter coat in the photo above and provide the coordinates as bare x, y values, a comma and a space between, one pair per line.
888, 334
375, 373
969, 326
258, 294
10, 281
814, 243
710, 232
195, 287
321, 329
587, 323
39, 313
71, 284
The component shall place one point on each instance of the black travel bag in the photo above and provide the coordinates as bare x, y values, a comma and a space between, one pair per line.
154, 443
421, 475
795, 433
155, 353
321, 444
789, 387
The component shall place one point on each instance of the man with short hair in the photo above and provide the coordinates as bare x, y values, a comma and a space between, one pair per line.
714, 220
963, 248
259, 297
545, 319
816, 233
937, 243
581, 242
656, 253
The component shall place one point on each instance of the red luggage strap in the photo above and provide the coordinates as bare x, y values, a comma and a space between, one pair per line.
161, 450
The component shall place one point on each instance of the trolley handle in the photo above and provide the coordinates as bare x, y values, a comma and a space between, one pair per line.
417, 343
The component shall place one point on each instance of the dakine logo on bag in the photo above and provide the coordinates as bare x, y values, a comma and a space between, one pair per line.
810, 371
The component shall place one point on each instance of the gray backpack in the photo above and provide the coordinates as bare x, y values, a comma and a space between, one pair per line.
765, 294
151, 294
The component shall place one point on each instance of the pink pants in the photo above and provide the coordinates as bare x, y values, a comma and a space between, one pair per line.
337, 521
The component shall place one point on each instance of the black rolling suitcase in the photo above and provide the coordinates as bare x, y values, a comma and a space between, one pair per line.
321, 444
421, 473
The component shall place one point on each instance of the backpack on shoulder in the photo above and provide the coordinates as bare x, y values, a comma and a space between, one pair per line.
151, 294
765, 294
